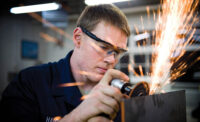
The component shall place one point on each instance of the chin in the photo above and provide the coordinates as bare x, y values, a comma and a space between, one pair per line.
96, 78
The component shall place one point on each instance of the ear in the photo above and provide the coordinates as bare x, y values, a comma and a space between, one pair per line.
77, 34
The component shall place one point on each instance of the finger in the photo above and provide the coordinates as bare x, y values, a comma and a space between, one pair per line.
110, 101
113, 115
112, 74
106, 109
98, 119
113, 92
126, 96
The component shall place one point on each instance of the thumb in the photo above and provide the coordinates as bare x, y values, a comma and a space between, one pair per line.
113, 74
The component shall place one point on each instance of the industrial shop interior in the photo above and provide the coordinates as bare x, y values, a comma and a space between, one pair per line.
172, 70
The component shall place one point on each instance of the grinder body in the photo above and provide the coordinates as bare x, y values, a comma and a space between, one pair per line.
139, 89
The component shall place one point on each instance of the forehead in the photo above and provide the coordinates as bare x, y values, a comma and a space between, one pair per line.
111, 34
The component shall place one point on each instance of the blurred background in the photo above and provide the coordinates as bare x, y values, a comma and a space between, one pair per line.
30, 39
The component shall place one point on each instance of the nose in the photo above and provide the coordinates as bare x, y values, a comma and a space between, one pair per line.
110, 59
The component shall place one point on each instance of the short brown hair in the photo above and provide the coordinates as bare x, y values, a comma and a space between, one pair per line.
92, 15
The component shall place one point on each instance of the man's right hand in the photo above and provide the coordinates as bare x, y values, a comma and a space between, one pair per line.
103, 98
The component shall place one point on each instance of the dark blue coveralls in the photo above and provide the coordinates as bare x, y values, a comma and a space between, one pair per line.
35, 95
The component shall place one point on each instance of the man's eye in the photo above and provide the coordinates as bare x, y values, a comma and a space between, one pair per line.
104, 47
116, 53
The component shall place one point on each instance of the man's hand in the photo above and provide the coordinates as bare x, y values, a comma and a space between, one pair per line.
103, 98
99, 119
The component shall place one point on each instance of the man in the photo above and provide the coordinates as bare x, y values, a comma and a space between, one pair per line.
37, 93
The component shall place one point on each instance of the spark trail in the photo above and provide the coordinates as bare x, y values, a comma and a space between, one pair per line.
175, 18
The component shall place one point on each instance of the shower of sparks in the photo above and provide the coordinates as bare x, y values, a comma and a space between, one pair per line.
175, 19
136, 29
57, 118
71, 84
84, 97
49, 38
148, 12
141, 71
53, 27
131, 69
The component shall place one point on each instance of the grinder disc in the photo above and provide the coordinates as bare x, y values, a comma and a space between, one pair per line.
140, 89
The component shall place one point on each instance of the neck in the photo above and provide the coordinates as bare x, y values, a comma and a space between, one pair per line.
88, 85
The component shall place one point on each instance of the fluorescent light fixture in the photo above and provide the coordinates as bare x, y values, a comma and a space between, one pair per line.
35, 8
96, 2
141, 36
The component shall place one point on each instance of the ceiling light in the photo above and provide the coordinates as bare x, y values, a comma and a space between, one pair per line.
35, 8
96, 2
141, 36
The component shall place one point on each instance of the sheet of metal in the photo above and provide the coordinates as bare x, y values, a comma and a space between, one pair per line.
165, 107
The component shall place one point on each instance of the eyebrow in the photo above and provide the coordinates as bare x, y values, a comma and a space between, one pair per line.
100, 40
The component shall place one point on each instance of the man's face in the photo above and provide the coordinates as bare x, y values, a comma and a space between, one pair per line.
96, 57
